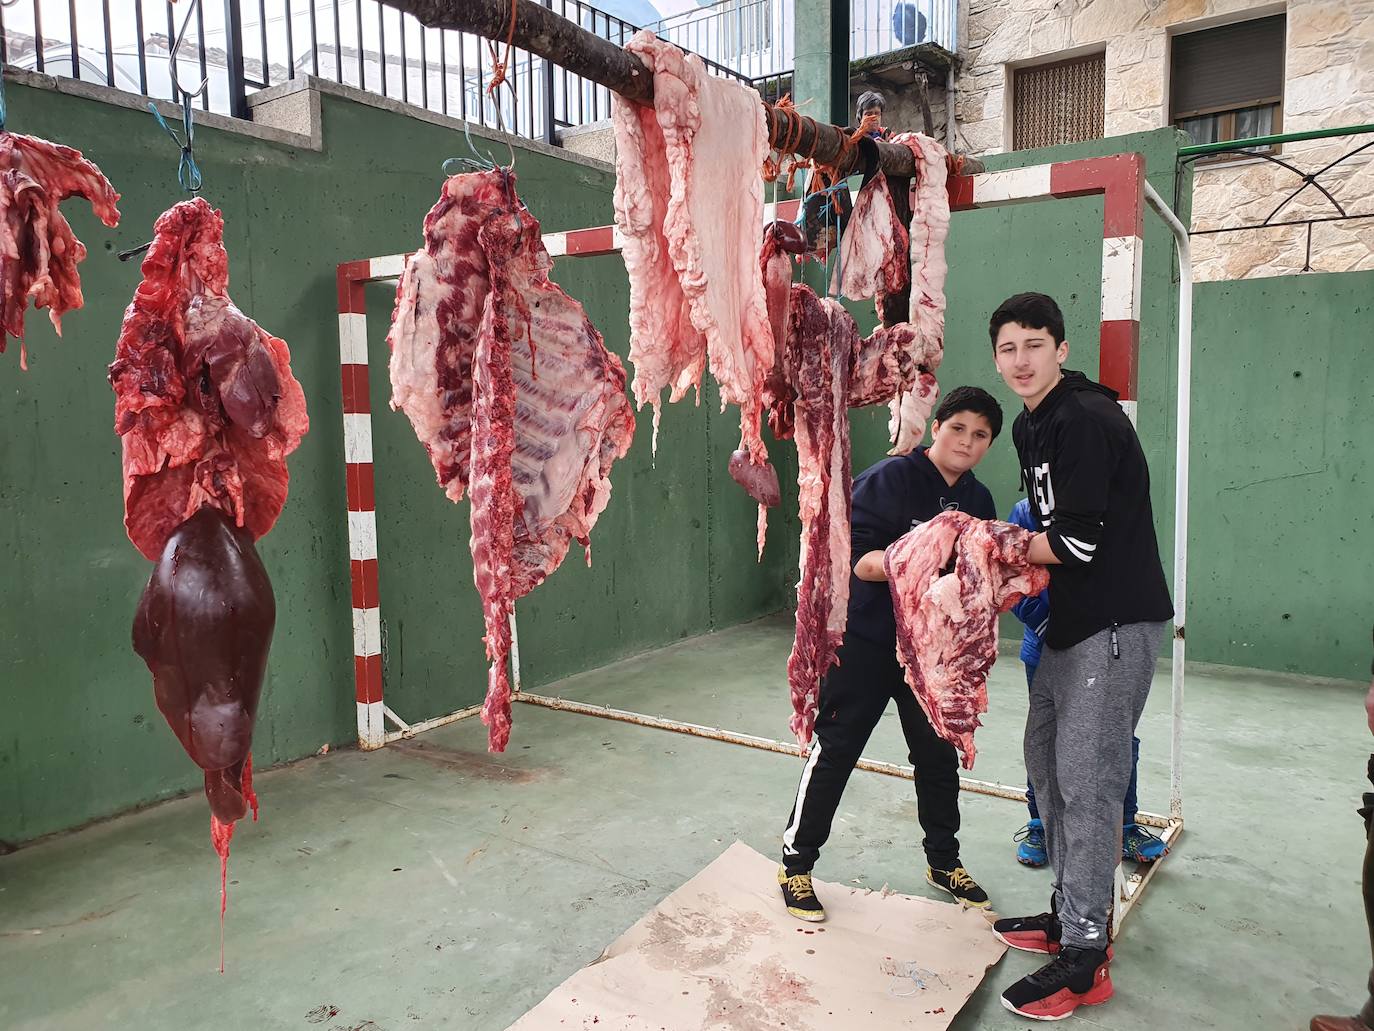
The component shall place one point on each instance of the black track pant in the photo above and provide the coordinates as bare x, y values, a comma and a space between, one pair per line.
853, 697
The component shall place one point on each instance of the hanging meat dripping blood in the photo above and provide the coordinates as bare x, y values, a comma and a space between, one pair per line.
207, 411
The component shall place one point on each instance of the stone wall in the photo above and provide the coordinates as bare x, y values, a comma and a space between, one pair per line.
1329, 83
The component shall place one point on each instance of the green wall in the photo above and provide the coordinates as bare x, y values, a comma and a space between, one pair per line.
80, 737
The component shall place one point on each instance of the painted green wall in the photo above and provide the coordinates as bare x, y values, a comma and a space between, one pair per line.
80, 737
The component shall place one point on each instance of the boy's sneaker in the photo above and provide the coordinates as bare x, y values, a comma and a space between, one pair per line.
799, 896
1030, 850
959, 884
1076, 977
1039, 933
1142, 845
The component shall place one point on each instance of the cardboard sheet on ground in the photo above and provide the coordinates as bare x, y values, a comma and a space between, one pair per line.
722, 954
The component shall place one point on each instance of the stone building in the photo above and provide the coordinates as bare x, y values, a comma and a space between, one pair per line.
1224, 69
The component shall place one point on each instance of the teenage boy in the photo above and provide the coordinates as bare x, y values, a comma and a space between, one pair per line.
1137, 842
1089, 488
889, 499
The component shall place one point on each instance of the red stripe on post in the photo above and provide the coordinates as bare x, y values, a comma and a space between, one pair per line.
1119, 358
351, 275
367, 673
600, 240
357, 399
960, 190
788, 210
362, 495
363, 575
1121, 178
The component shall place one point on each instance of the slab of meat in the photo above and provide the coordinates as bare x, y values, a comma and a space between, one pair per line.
38, 250
947, 625
205, 402
204, 627
688, 202
929, 227
514, 395
874, 252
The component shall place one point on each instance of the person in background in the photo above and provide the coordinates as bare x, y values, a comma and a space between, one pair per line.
1365, 1020
1137, 842
872, 102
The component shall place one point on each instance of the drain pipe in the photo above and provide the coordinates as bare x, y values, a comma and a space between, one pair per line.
1185, 371
950, 96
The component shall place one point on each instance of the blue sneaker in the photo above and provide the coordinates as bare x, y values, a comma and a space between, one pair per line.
1141, 844
1030, 850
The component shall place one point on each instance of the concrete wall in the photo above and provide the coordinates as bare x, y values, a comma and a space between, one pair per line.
1329, 64
80, 737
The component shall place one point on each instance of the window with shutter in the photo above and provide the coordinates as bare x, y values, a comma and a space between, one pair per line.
1058, 103
1227, 82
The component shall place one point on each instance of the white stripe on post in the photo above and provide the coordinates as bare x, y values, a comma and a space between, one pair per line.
362, 535
357, 438
352, 338
1011, 185
1129, 407
1121, 268
367, 631
556, 244
371, 725
389, 266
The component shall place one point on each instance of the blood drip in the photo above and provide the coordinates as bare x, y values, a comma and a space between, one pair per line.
220, 836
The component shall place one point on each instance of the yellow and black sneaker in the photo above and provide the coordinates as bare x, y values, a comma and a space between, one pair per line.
799, 896
959, 884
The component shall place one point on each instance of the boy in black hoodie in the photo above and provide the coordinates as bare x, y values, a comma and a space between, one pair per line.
1089, 491
889, 499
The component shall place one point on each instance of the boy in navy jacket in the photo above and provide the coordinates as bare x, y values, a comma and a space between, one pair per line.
889, 499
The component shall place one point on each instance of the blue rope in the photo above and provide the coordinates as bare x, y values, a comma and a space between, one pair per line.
2, 96
188, 172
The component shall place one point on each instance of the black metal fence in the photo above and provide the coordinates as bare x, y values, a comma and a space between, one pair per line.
240, 47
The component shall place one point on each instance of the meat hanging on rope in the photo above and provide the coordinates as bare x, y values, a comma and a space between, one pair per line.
947, 624
207, 411
38, 250
512, 392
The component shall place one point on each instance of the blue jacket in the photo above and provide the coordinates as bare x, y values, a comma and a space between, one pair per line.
1034, 612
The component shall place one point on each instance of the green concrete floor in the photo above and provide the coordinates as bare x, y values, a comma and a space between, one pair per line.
431, 885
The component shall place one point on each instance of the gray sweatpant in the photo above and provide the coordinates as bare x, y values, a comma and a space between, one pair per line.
1084, 704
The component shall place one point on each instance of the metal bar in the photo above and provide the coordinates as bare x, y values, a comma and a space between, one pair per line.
1203, 149
424, 69
314, 42
411, 729
338, 44
405, 65
462, 78
262, 26
109, 44
1279, 225
76, 54
233, 54
291, 39
1181, 455
142, 53
200, 43
38, 33
443, 69
362, 68
171, 35
381, 42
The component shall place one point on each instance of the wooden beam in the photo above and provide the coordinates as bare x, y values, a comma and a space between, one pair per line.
540, 31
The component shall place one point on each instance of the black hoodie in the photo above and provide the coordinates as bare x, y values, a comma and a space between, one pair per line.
891, 499
1089, 490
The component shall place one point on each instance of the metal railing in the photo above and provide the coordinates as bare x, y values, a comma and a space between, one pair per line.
243, 46
755, 37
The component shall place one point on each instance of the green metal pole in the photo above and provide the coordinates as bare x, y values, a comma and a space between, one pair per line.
821, 47
1203, 149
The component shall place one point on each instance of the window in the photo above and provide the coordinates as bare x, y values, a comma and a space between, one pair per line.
1058, 103
1228, 81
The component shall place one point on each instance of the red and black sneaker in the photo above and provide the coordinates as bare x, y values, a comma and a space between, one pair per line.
1076, 977
1038, 933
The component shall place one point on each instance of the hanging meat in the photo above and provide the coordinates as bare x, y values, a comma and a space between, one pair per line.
911, 408
207, 411
825, 369
947, 624
688, 203
874, 252
512, 392
38, 250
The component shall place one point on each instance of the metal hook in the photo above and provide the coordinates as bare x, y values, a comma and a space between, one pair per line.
186, 96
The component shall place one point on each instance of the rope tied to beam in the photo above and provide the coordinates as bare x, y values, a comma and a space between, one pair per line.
499, 64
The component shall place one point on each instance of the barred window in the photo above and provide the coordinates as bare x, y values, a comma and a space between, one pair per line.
1058, 103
